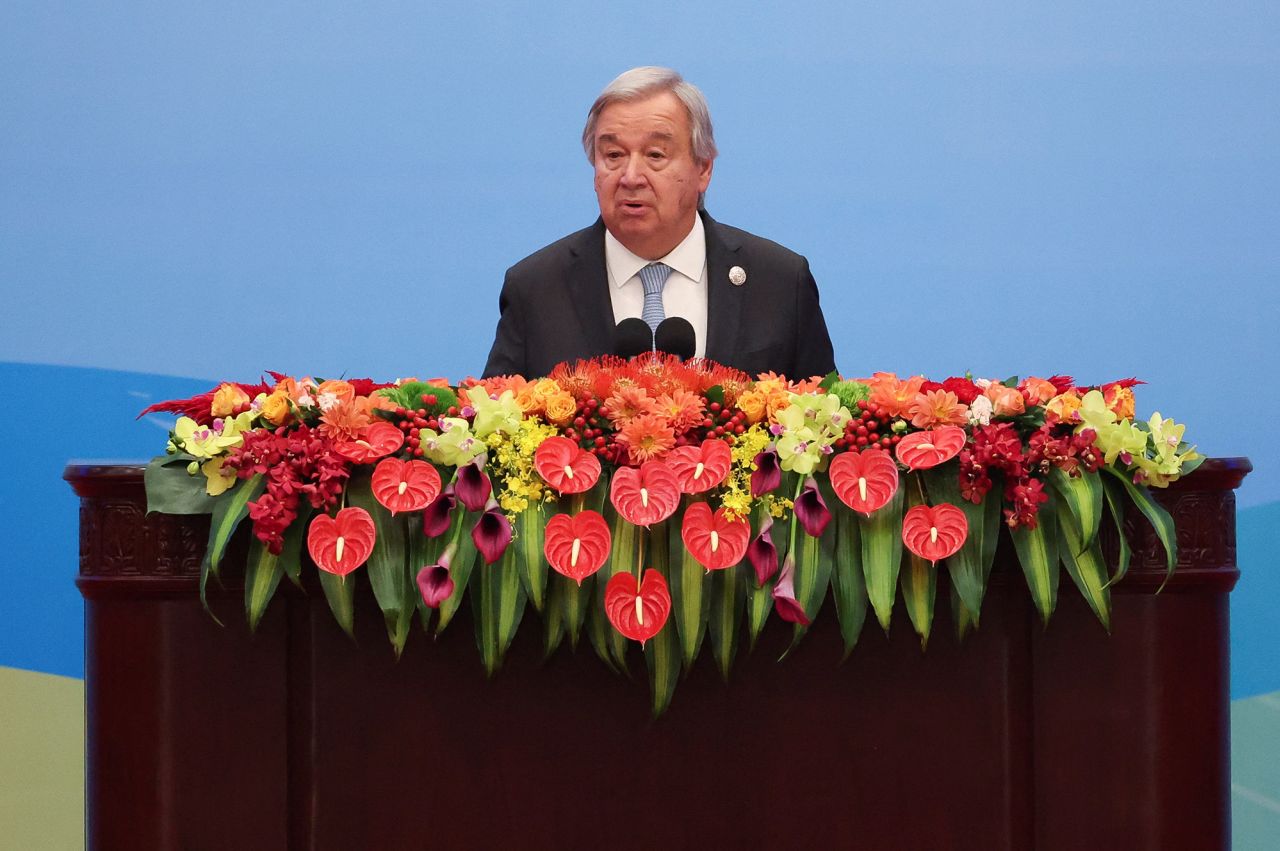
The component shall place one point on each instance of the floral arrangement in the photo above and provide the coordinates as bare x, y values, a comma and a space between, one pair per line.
664, 502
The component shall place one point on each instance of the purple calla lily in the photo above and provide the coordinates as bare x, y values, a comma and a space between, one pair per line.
762, 554
473, 486
811, 509
438, 515
767, 475
492, 532
784, 595
434, 582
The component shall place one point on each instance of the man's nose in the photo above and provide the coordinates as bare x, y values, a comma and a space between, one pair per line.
634, 173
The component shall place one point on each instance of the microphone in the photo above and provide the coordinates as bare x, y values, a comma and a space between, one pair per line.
632, 337
675, 336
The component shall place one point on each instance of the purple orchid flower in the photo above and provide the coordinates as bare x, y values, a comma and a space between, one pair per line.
492, 532
811, 509
767, 475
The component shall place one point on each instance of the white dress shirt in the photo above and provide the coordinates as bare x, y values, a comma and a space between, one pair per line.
685, 293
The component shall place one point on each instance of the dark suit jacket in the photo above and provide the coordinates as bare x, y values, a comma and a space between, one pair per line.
555, 306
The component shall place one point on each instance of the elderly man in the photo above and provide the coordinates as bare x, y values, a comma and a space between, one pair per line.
654, 253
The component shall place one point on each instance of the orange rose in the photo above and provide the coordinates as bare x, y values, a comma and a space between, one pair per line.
528, 400
229, 399
1063, 408
1038, 391
560, 408
754, 404
1120, 401
275, 408
1005, 401
334, 392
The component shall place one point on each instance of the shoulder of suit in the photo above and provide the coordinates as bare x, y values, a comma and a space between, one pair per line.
758, 248
556, 255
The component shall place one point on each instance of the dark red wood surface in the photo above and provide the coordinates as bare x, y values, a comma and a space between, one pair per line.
201, 736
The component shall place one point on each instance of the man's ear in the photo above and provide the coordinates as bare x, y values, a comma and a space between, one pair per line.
704, 175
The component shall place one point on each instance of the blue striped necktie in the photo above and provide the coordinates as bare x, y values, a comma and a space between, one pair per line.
654, 278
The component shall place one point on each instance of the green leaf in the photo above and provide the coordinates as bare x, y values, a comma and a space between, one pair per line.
760, 600
1083, 497
1038, 553
963, 618
919, 581
848, 585
881, 537
462, 565
828, 381
813, 560
297, 529
553, 617
341, 593
1160, 519
1084, 564
690, 600
728, 593
759, 605
575, 600
498, 603
530, 529
393, 587
172, 490
970, 568
715, 394
230, 509
1115, 506
263, 570
623, 557
662, 654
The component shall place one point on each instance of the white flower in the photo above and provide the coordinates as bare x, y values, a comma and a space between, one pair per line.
980, 411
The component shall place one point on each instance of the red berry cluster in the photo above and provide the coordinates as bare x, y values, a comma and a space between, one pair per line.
588, 427
869, 427
720, 420
297, 464
411, 422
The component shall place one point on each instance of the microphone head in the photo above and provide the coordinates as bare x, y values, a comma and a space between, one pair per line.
675, 335
632, 337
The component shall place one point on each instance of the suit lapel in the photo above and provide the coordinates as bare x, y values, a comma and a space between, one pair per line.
588, 279
724, 300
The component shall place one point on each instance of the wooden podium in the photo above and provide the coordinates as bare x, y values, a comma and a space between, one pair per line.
209, 737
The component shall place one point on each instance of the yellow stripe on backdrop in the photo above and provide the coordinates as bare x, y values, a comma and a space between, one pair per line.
41, 761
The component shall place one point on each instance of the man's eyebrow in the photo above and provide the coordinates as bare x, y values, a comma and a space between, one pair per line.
655, 135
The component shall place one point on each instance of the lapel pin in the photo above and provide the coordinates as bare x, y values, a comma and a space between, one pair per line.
737, 276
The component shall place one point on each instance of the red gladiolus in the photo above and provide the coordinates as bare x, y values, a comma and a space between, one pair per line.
341, 543
566, 466
716, 540
377, 440
646, 495
865, 481
405, 485
700, 468
577, 546
934, 532
638, 612
926, 449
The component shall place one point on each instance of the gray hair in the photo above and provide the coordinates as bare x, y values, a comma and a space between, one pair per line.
641, 83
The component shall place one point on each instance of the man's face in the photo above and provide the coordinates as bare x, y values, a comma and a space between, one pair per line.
647, 180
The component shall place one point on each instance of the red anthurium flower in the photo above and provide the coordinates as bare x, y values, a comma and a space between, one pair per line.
341, 543
700, 468
376, 440
762, 554
434, 582
645, 495
637, 612
566, 466
716, 540
865, 481
934, 532
492, 533
405, 485
811, 509
784, 595
926, 449
577, 545
472, 486
767, 475
439, 514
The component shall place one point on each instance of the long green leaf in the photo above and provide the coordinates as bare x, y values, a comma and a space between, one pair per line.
388, 568
263, 570
813, 559
662, 654
970, 568
341, 594
881, 538
462, 565
575, 600
1115, 499
1083, 498
553, 627
1085, 565
690, 599
759, 605
919, 580
760, 600
172, 490
498, 603
297, 531
962, 617
727, 593
1157, 516
231, 508
530, 528
848, 585
1038, 553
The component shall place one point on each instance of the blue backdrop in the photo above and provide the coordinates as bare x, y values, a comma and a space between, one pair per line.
189, 191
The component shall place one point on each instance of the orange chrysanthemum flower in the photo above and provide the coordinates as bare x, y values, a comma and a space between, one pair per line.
937, 408
344, 420
628, 402
894, 396
683, 409
647, 437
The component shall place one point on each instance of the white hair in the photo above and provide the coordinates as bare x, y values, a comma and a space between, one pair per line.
641, 83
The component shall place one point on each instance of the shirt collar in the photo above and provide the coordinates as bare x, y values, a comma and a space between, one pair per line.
688, 258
